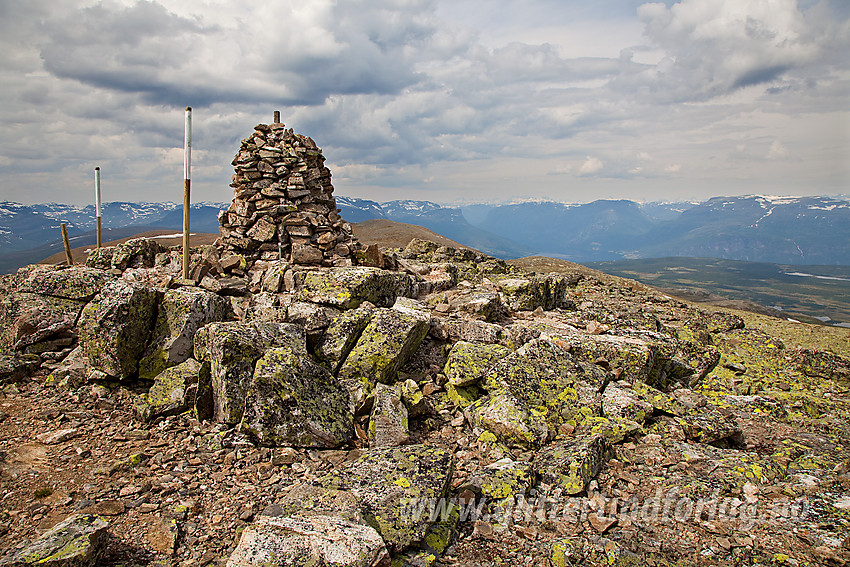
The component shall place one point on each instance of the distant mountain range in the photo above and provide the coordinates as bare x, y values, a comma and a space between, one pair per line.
783, 230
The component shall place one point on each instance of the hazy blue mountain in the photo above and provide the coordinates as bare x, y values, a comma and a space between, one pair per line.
782, 230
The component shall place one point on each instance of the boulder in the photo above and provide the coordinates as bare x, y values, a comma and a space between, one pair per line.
114, 327
391, 484
504, 478
482, 304
72, 282
467, 362
174, 390
387, 343
545, 387
78, 541
45, 303
325, 540
180, 314
508, 419
15, 367
346, 288
231, 349
571, 464
621, 402
341, 336
295, 402
388, 425
714, 427
135, 253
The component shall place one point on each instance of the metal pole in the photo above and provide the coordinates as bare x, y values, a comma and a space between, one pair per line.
68, 258
97, 203
187, 169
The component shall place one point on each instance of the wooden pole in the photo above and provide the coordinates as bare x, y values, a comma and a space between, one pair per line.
277, 116
187, 170
68, 258
97, 204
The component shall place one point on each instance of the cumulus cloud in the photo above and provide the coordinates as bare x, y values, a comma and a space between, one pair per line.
590, 166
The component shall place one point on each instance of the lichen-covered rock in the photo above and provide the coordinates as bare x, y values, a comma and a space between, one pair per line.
174, 390
546, 387
28, 318
341, 336
467, 362
347, 288
505, 417
135, 253
391, 484
114, 327
504, 478
320, 540
619, 402
388, 426
295, 402
572, 463
314, 318
45, 303
483, 304
712, 426
77, 541
71, 282
388, 341
180, 314
232, 349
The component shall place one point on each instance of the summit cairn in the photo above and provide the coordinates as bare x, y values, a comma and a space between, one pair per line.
283, 205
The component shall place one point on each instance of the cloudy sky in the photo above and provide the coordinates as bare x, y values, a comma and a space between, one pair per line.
441, 100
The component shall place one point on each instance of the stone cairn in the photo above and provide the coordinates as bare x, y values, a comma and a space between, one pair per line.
283, 205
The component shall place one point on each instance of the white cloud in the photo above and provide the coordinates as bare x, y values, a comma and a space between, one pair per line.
590, 166
777, 150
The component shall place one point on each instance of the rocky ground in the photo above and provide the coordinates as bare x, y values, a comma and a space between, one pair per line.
687, 438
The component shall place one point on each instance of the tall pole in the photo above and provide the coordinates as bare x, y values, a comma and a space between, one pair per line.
97, 203
187, 170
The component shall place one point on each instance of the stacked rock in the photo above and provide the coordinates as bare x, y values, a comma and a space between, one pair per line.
283, 204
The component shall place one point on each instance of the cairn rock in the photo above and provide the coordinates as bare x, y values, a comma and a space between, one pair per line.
293, 401
181, 313
232, 349
78, 541
114, 327
283, 203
